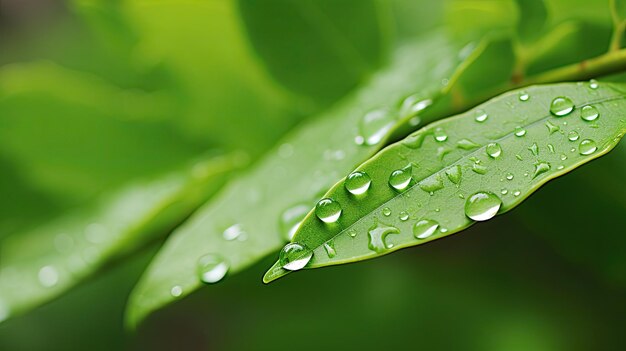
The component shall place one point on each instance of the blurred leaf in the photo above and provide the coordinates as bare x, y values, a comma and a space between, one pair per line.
41, 264
261, 208
319, 48
443, 178
531, 20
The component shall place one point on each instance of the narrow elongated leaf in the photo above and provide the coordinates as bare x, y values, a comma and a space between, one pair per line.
256, 214
41, 264
460, 170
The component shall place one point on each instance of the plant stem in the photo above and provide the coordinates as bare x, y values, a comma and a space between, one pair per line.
618, 28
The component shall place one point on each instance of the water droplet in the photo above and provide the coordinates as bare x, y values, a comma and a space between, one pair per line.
509, 176
480, 116
404, 215
374, 126
540, 168
328, 210
48, 276
414, 141
523, 95
519, 157
386, 212
400, 178
593, 84
432, 183
504, 191
589, 113
493, 150
358, 182
517, 193
212, 268
478, 168
294, 256
378, 235
573, 136
440, 135
552, 128
534, 148
587, 147
176, 291
454, 173
352, 233
466, 144
560, 167
482, 206
520, 132
412, 105
424, 228
291, 218
563, 157
551, 148
561, 106
329, 246
233, 232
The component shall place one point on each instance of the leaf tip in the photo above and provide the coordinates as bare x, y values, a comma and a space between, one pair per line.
275, 272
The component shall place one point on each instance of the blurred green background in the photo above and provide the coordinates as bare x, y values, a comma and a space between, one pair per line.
98, 94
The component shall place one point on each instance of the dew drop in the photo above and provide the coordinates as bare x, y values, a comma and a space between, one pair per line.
329, 246
540, 168
493, 150
432, 183
386, 212
478, 168
357, 183
480, 116
414, 141
404, 215
212, 268
400, 178
589, 113
534, 148
482, 206
509, 176
561, 106
233, 232
552, 128
352, 233
587, 147
424, 228
378, 235
573, 136
294, 256
374, 126
440, 135
504, 191
466, 144
328, 210
176, 291
563, 157
517, 193
593, 84
523, 95
454, 174
551, 148
48, 276
520, 132
412, 105
291, 218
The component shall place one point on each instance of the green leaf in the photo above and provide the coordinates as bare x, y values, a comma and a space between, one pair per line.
464, 170
286, 182
319, 48
38, 265
531, 20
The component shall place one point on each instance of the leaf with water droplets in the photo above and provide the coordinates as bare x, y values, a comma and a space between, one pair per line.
41, 264
446, 195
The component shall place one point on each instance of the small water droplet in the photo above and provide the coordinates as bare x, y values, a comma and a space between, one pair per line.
504, 191
552, 128
520, 132
519, 157
374, 126
328, 210
212, 268
294, 256
329, 246
482, 206
561, 106
534, 148
509, 176
523, 95
403, 216
358, 182
480, 116
176, 291
587, 147
573, 136
551, 148
412, 105
386, 212
431, 184
233, 232
478, 168
593, 84
589, 113
291, 218
517, 193
560, 167
414, 141
440, 135
454, 174
466, 144
563, 157
400, 178
540, 168
493, 150
377, 236
352, 233
424, 228
48, 276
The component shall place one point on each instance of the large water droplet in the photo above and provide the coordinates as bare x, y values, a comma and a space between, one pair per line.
403, 216
540, 168
400, 178
454, 173
480, 116
520, 132
589, 113
493, 150
48, 276
294, 256
561, 106
212, 268
587, 147
482, 206
328, 210
358, 182
412, 105
414, 141
374, 126
291, 218
523, 95
233, 232
573, 135
440, 135
377, 236
424, 228
593, 84
431, 184
466, 144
